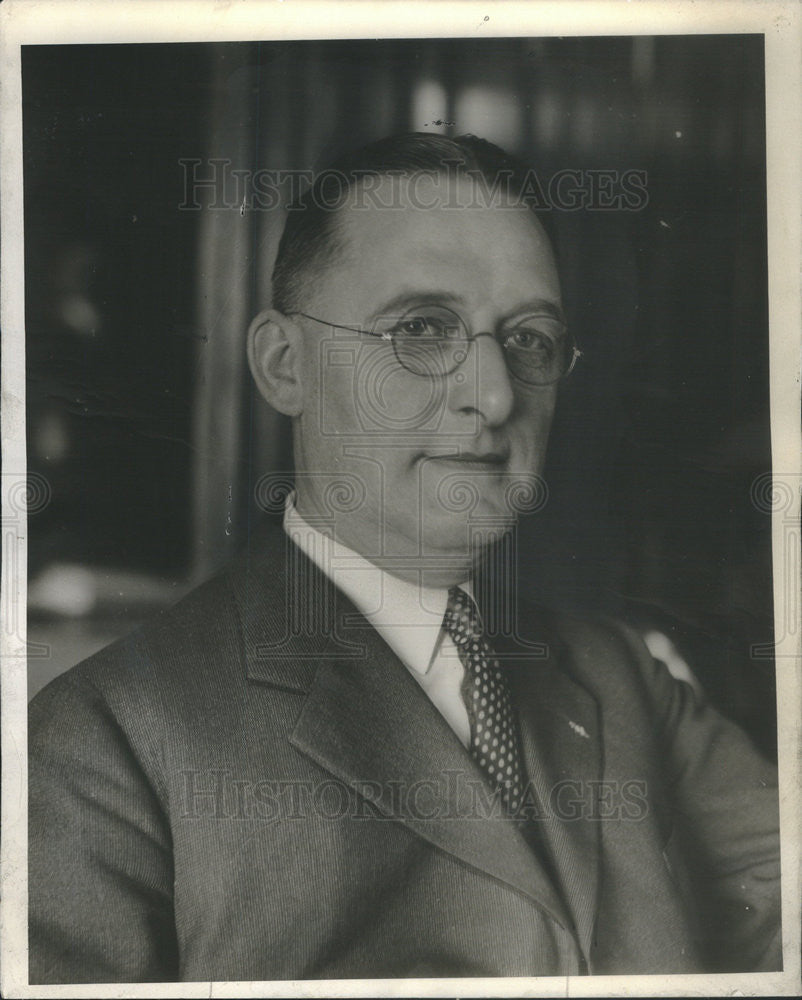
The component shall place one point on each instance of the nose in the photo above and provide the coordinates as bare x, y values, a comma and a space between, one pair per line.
482, 385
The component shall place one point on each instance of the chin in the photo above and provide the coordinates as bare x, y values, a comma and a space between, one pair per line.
466, 536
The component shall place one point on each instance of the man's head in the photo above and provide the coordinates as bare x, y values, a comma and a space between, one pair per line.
415, 300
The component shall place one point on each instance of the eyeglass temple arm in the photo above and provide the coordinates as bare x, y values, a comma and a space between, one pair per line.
342, 326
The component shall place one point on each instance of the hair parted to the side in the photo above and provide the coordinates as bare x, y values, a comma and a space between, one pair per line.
311, 241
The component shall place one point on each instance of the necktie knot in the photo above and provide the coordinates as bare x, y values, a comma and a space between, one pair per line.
462, 620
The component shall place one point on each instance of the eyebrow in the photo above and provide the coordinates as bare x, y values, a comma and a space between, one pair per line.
405, 300
410, 298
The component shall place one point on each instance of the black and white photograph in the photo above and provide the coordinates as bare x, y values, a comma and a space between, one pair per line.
400, 503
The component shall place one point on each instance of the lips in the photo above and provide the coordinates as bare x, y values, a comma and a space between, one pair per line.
487, 458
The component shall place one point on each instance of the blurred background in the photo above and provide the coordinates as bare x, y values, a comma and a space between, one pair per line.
139, 290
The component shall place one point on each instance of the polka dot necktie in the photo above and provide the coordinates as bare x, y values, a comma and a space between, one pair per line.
494, 733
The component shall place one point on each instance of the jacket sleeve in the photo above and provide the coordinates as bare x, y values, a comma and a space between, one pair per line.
725, 805
100, 863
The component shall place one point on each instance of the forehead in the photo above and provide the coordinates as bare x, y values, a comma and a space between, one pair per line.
422, 235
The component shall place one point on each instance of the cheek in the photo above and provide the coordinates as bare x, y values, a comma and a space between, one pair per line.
530, 430
534, 411
331, 400
389, 400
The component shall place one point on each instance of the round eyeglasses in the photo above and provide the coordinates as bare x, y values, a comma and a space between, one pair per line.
433, 341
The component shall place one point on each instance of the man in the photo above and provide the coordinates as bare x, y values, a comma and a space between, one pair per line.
345, 757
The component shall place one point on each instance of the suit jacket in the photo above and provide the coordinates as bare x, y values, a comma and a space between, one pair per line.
254, 787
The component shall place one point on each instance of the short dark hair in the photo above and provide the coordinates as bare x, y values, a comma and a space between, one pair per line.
311, 240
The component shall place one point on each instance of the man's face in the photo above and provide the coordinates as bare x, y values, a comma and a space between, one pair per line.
429, 460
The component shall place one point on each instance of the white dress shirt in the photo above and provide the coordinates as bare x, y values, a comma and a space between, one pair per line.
407, 616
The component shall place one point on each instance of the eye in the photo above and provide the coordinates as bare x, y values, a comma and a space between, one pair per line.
524, 338
531, 341
538, 337
420, 326
429, 323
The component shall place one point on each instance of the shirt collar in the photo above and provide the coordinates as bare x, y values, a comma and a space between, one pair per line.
408, 617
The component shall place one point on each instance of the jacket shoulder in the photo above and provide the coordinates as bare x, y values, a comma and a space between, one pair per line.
600, 647
181, 637
610, 660
151, 681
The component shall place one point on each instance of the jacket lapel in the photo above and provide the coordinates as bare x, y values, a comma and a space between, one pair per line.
367, 722
561, 743
286, 607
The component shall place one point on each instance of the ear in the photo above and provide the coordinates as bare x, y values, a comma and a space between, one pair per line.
273, 356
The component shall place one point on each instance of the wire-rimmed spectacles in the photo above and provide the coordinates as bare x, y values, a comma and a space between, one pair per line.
433, 341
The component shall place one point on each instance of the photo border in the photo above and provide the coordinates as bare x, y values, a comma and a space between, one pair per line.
82, 21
